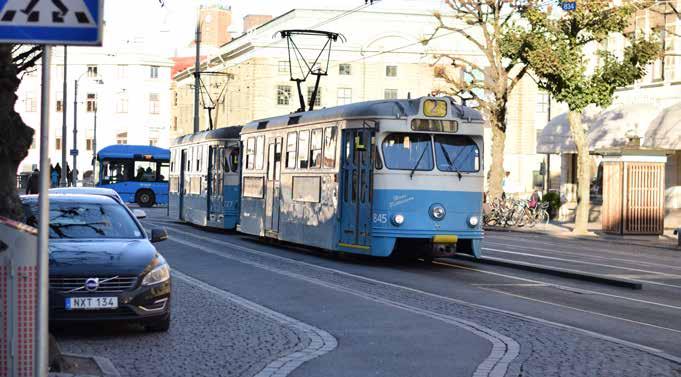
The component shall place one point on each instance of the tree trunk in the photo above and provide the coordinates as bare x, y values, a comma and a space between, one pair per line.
15, 137
583, 171
497, 172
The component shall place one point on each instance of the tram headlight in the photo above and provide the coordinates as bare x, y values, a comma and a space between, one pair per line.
398, 219
437, 212
473, 221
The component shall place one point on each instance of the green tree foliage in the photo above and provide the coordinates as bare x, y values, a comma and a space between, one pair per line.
555, 49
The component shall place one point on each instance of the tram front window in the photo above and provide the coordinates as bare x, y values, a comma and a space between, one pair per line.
406, 151
457, 153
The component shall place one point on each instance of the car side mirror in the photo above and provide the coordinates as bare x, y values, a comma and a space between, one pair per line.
139, 214
158, 235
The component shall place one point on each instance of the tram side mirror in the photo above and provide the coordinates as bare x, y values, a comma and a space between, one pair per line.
139, 214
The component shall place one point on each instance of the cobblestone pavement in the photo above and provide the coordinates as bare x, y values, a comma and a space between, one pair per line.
545, 349
208, 337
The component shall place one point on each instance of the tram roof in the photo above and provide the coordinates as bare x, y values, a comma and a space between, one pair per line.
370, 109
131, 151
231, 132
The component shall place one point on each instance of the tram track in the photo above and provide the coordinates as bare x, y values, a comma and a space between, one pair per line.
524, 281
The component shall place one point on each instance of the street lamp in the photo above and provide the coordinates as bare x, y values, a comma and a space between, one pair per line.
74, 151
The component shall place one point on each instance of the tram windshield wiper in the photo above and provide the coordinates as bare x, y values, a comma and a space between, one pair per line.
411, 175
449, 161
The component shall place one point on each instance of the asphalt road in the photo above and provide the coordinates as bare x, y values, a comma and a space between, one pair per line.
242, 306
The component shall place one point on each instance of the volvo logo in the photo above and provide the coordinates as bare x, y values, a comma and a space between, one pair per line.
92, 284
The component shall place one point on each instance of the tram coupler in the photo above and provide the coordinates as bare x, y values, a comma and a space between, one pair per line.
443, 246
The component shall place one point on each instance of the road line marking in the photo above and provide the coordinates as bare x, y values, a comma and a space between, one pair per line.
563, 286
660, 274
504, 349
511, 285
321, 342
582, 310
608, 258
651, 350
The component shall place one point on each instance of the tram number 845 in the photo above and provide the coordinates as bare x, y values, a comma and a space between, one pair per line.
380, 218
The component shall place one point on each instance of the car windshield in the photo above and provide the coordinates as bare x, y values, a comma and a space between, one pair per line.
407, 151
457, 153
74, 220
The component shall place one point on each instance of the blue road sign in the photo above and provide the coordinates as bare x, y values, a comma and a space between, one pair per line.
568, 5
74, 152
52, 22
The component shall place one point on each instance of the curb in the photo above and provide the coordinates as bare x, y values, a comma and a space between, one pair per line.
105, 366
555, 271
586, 238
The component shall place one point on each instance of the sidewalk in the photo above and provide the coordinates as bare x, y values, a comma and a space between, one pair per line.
564, 230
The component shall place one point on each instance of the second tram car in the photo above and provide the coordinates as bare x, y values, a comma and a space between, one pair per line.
205, 178
370, 178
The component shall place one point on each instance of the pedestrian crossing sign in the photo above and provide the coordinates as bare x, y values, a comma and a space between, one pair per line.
53, 22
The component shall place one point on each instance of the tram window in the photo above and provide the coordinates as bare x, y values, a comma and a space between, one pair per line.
291, 145
405, 151
330, 137
234, 160
259, 152
316, 149
250, 153
378, 163
457, 153
303, 144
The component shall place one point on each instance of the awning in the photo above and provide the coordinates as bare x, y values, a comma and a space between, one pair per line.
610, 128
665, 130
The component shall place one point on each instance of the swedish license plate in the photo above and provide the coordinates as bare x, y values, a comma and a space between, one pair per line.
91, 303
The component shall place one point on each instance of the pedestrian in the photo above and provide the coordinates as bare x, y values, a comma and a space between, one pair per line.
505, 185
58, 169
69, 175
33, 184
535, 198
54, 177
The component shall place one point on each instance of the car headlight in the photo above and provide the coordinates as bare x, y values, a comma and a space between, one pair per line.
473, 221
398, 219
157, 275
437, 212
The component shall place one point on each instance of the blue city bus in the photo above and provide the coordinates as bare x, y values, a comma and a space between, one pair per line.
139, 173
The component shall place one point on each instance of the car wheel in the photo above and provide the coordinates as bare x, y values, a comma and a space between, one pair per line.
145, 198
162, 325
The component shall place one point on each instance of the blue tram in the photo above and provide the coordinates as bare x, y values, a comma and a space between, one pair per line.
205, 178
371, 178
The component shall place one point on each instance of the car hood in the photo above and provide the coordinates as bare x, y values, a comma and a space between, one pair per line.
100, 257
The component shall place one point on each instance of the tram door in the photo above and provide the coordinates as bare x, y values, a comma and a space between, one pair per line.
182, 187
215, 176
272, 203
356, 188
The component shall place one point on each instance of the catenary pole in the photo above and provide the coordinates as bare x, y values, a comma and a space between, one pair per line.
75, 132
197, 74
62, 179
41, 332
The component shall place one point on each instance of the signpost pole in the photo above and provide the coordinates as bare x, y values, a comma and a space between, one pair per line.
62, 179
74, 151
41, 333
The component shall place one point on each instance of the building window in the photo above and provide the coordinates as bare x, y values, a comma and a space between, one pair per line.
122, 103
153, 72
344, 70
344, 96
318, 99
122, 138
543, 102
154, 103
390, 94
283, 66
391, 71
91, 103
153, 142
89, 144
92, 71
57, 143
174, 123
121, 71
283, 94
31, 102
176, 99
60, 106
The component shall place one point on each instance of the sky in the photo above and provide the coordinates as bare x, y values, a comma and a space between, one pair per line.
163, 28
